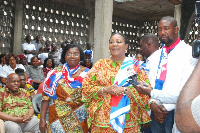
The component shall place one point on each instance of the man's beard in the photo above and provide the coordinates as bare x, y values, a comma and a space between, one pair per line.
168, 41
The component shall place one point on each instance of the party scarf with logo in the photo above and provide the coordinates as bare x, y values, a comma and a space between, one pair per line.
162, 66
120, 105
51, 82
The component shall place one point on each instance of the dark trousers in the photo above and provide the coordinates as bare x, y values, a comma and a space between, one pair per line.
166, 126
145, 130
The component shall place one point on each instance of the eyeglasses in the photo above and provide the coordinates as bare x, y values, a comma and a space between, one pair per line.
11, 60
70, 55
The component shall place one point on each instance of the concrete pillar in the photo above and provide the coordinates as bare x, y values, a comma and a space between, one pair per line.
102, 28
91, 28
177, 15
17, 43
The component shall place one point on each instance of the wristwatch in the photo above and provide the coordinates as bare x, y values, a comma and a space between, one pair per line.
125, 90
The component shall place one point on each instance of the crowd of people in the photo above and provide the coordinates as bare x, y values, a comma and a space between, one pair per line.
120, 93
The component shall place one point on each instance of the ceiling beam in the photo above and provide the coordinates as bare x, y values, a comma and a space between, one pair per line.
175, 2
139, 16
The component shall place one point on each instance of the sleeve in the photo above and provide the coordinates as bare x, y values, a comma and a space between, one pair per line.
142, 100
24, 47
39, 56
26, 97
195, 107
27, 70
170, 94
92, 83
30, 88
30, 105
3, 72
22, 67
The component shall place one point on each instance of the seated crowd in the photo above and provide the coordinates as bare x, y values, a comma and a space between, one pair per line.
31, 69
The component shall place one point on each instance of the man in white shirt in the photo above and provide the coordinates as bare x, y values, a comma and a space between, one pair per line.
37, 43
174, 68
187, 114
149, 47
28, 48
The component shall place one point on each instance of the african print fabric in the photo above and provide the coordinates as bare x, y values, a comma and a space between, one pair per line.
67, 114
14, 104
103, 74
30, 89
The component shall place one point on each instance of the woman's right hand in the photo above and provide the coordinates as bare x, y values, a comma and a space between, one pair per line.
43, 125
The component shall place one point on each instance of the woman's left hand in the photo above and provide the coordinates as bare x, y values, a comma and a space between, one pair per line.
118, 90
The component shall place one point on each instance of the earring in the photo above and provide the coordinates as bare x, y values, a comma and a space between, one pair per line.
126, 51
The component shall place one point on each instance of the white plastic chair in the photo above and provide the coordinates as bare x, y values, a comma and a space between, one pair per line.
37, 101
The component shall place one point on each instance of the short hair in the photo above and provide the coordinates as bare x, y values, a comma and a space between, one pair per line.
72, 45
8, 56
27, 36
151, 38
125, 38
1, 56
37, 36
171, 19
20, 72
34, 57
45, 62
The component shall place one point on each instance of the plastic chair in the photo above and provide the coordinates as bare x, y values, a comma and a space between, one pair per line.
37, 101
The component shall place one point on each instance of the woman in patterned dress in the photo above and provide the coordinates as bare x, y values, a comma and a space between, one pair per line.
106, 81
67, 114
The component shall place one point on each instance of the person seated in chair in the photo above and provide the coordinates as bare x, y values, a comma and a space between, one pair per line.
35, 72
23, 83
16, 108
